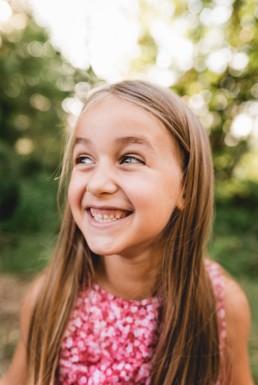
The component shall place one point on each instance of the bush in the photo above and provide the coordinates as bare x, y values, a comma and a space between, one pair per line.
234, 243
9, 186
36, 210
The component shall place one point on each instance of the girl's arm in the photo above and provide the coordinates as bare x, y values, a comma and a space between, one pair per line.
238, 326
16, 374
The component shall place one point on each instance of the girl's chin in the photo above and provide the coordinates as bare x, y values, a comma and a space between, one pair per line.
108, 248
103, 250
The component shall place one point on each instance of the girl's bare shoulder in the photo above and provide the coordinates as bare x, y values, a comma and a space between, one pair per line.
238, 315
238, 321
236, 305
33, 292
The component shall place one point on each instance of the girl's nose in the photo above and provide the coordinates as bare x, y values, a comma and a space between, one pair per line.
101, 181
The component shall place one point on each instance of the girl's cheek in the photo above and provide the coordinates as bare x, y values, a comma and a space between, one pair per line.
70, 195
72, 192
76, 192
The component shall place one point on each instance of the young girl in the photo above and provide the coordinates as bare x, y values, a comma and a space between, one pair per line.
128, 297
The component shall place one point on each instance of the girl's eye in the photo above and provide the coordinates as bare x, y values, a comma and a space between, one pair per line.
83, 160
131, 159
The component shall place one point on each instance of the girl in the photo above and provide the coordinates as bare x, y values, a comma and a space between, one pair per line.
129, 297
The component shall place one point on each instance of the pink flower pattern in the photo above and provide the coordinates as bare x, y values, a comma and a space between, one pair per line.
110, 340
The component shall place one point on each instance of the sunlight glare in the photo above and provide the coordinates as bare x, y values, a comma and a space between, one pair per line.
242, 126
72, 106
163, 77
5, 11
103, 34
218, 15
213, 39
218, 60
239, 61
113, 40
179, 48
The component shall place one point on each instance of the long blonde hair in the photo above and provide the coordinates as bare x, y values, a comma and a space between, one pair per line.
188, 347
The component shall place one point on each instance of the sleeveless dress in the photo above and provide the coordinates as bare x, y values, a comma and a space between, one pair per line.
110, 340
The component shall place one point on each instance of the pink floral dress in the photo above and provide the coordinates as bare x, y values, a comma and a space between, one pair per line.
110, 340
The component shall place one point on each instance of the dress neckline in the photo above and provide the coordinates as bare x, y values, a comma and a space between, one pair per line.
95, 287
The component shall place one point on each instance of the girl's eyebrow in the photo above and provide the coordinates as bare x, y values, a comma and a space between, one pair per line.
82, 140
124, 140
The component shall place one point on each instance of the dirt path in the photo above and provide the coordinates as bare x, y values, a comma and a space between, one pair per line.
12, 290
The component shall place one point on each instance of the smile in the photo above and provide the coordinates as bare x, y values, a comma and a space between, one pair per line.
108, 215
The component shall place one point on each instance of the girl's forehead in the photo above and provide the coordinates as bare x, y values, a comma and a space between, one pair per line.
107, 100
118, 115
114, 108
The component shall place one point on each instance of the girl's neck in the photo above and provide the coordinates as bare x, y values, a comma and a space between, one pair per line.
128, 278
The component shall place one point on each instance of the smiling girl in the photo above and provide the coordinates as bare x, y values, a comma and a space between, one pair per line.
129, 296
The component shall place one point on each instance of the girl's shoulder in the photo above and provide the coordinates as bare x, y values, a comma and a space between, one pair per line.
235, 302
234, 297
28, 304
237, 321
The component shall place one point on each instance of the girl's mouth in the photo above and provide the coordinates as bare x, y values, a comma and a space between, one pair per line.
108, 215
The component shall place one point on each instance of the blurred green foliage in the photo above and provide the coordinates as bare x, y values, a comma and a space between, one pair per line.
234, 244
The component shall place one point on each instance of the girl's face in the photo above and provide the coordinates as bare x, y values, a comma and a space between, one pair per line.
126, 178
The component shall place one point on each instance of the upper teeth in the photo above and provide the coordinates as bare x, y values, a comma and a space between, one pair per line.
104, 217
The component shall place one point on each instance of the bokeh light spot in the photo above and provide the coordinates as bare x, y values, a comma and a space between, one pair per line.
24, 146
241, 126
40, 102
